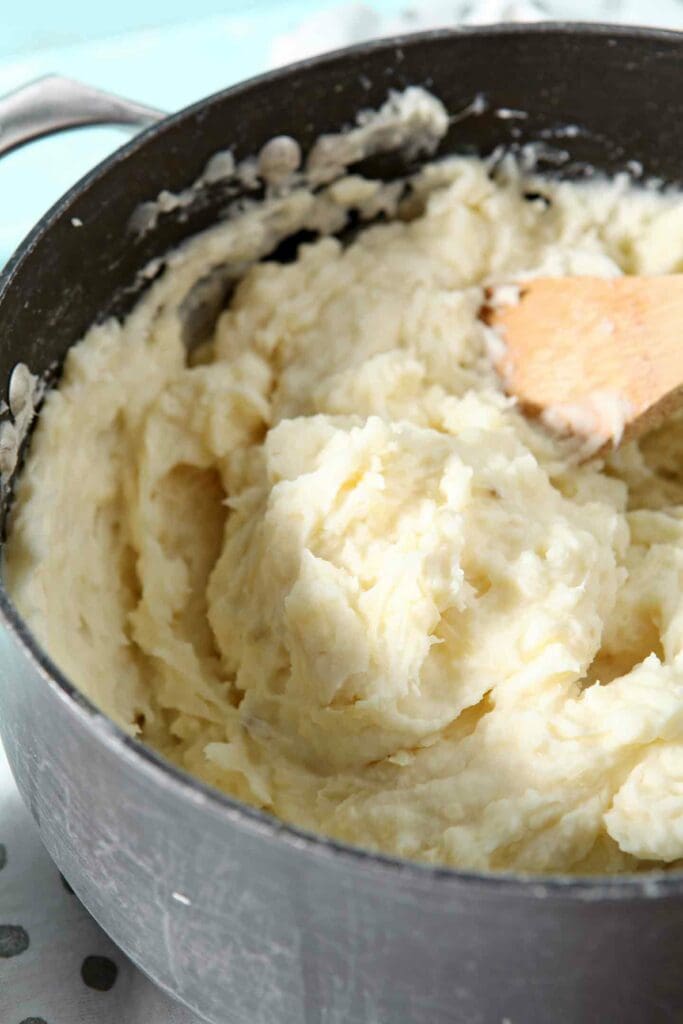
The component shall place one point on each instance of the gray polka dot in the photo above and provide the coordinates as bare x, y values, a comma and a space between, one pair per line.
99, 972
13, 940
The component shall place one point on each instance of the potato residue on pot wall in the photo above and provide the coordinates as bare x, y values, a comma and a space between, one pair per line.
331, 569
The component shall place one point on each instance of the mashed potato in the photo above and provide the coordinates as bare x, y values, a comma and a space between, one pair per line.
327, 566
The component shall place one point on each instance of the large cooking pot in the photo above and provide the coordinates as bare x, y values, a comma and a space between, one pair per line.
242, 918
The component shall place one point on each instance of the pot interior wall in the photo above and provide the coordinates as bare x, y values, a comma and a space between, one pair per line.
620, 88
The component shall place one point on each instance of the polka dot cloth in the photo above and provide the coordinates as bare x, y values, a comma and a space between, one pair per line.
56, 965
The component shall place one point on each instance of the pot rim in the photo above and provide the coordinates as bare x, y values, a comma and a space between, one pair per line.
160, 771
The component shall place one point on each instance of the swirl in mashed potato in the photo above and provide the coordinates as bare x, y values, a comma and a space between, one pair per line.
329, 567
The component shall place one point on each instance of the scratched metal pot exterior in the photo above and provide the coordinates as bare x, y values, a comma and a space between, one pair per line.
243, 919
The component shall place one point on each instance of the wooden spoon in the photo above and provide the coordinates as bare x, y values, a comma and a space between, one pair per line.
601, 357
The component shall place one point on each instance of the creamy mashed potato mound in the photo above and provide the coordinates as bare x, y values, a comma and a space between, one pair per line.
326, 564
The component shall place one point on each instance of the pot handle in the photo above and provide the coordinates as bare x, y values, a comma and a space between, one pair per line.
53, 103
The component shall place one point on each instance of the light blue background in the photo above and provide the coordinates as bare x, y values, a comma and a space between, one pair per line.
167, 53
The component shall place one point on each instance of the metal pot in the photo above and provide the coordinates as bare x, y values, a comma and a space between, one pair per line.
242, 918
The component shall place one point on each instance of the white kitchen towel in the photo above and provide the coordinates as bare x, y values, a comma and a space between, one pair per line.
56, 965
